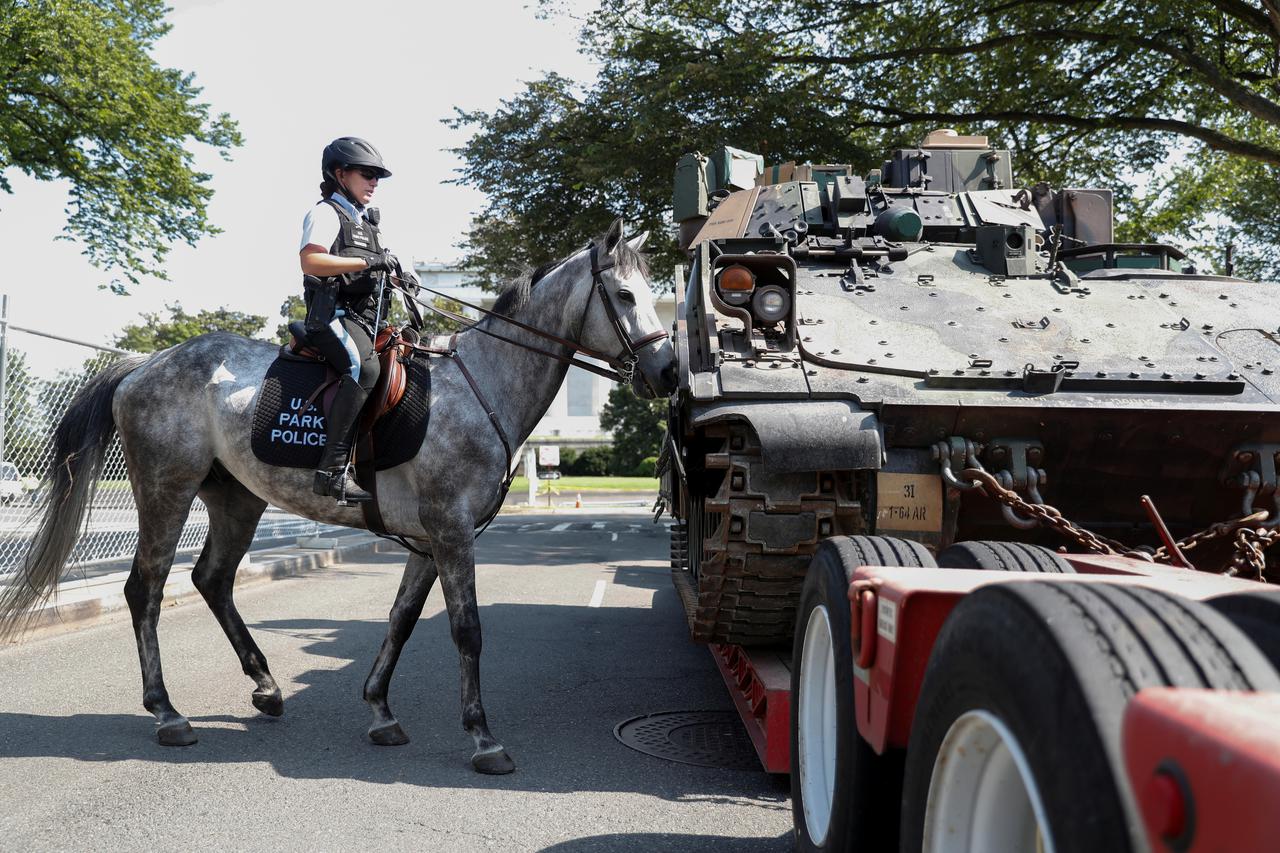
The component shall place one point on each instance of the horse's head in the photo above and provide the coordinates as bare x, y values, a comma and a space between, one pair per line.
621, 320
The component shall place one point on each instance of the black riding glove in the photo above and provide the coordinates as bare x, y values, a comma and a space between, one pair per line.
384, 261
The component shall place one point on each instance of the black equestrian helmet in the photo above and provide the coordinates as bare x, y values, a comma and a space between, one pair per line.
351, 152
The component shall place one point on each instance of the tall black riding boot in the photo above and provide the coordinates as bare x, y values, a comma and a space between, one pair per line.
333, 476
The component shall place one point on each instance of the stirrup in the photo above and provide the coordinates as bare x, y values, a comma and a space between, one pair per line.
333, 484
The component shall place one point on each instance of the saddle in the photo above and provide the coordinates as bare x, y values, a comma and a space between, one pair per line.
393, 347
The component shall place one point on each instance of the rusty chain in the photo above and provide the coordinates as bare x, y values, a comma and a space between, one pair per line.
1250, 544
1045, 514
1250, 538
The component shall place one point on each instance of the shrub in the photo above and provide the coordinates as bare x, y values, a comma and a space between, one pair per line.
568, 457
592, 462
638, 428
648, 467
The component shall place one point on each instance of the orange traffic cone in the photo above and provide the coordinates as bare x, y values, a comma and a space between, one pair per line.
578, 503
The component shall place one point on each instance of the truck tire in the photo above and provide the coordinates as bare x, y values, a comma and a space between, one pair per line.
1257, 614
1003, 557
842, 792
1016, 735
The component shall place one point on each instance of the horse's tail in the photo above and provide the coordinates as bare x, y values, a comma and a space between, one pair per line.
79, 449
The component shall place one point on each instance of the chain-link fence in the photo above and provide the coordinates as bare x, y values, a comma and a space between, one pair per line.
30, 408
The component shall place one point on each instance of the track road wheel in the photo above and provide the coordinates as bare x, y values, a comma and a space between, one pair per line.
1015, 745
1257, 614
1003, 557
843, 795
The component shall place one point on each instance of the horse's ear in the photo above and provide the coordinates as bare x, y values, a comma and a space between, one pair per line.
638, 241
613, 237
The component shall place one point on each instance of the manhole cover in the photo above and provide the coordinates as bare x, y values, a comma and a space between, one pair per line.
703, 738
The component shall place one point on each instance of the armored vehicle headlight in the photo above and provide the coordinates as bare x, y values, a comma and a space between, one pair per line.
736, 284
737, 277
771, 303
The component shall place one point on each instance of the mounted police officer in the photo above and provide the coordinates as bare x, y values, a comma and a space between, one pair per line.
346, 300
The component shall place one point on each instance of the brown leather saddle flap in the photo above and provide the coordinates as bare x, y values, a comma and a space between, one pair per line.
391, 379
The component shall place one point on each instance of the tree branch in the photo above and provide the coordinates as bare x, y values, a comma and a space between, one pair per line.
1251, 102
1213, 138
1255, 18
902, 53
1273, 13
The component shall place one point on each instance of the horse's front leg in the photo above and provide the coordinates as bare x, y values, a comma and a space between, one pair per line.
419, 575
455, 558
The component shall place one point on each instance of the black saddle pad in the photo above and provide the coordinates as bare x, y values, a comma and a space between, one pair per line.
285, 435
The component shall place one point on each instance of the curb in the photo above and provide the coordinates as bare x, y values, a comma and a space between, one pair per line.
80, 603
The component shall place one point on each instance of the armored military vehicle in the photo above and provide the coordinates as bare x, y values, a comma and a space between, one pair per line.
850, 343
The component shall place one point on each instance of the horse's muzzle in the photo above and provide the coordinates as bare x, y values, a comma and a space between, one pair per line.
656, 375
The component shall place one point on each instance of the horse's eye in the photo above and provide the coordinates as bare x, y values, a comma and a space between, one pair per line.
627, 296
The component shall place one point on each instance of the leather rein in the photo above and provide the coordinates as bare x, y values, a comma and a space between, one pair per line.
622, 365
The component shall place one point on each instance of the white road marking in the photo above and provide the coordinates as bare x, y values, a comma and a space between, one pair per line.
559, 527
613, 537
598, 597
597, 525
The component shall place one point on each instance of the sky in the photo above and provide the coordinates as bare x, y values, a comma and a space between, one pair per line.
295, 75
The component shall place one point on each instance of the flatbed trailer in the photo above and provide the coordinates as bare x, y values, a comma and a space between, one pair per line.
1101, 703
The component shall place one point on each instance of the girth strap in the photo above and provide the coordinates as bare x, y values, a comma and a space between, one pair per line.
367, 475
497, 426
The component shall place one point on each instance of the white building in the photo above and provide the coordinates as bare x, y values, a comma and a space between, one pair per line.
574, 417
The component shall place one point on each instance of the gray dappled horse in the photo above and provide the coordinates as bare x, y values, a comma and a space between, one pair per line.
184, 416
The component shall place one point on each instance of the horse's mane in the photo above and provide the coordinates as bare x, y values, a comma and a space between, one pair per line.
515, 294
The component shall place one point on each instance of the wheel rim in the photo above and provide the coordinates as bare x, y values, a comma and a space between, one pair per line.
816, 725
982, 795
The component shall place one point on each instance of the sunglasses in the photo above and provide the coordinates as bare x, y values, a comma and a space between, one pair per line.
369, 174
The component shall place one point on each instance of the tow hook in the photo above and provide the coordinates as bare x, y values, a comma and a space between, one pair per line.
1252, 468
956, 452
1016, 462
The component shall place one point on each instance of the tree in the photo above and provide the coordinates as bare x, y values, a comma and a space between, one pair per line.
155, 333
638, 428
24, 428
82, 100
1082, 91
55, 395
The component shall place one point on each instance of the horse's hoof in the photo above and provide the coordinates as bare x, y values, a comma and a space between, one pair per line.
494, 762
388, 734
271, 704
176, 734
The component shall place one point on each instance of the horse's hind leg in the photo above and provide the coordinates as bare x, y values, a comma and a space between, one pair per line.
419, 575
162, 510
233, 517
456, 563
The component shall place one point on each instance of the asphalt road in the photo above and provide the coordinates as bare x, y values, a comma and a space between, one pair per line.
80, 769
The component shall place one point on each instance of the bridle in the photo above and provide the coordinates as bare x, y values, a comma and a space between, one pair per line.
625, 362
621, 366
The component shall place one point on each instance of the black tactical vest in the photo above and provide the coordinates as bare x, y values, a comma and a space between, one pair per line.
357, 295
